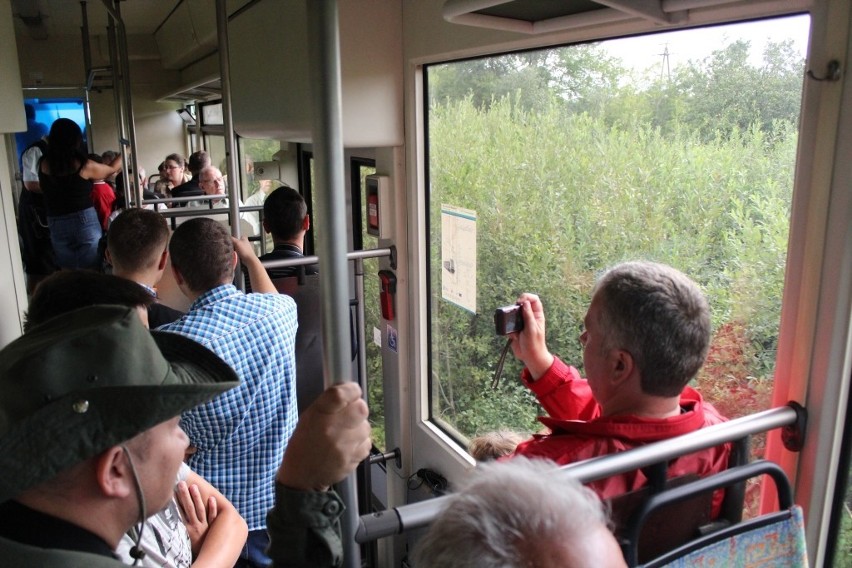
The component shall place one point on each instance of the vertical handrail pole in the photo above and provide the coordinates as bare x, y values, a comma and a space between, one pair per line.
360, 324
129, 116
117, 102
324, 63
87, 64
230, 154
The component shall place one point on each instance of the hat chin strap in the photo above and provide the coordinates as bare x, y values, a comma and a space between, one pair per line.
136, 551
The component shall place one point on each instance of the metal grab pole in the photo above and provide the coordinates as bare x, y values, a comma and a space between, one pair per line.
127, 127
230, 154
324, 63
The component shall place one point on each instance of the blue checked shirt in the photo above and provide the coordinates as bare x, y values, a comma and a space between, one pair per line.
241, 434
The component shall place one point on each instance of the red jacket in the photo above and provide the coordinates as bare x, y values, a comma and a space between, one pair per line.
579, 431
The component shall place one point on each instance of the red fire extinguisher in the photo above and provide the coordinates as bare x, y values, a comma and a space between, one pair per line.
388, 290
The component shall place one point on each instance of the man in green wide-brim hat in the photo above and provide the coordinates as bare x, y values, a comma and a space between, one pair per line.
90, 441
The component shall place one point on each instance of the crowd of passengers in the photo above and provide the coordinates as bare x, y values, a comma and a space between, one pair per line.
184, 445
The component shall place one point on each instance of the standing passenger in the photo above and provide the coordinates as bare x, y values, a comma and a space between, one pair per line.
137, 248
239, 438
66, 176
285, 217
36, 249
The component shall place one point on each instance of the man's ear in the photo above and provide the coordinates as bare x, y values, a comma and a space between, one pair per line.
623, 365
266, 226
236, 260
178, 276
306, 223
108, 257
164, 258
113, 472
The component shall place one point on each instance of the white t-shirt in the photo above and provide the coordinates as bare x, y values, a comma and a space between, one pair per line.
29, 164
164, 540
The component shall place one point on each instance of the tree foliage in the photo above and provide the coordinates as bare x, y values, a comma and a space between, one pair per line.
570, 170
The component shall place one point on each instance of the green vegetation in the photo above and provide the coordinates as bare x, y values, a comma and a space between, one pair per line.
572, 165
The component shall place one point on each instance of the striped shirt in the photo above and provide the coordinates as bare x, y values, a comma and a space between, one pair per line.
241, 434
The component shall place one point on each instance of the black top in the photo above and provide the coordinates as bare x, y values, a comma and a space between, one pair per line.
283, 252
28, 526
66, 194
190, 188
160, 314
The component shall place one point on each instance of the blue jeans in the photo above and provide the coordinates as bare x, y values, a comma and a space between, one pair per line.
254, 551
75, 239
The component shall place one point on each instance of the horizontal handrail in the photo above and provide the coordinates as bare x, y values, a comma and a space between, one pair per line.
417, 515
351, 255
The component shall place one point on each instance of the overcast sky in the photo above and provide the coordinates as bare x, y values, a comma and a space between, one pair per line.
647, 51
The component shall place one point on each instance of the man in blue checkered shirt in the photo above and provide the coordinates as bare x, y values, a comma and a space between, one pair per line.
240, 436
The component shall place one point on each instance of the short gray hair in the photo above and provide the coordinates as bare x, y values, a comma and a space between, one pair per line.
507, 508
661, 318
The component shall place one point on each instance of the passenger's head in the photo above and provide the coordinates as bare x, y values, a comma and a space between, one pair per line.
198, 161
493, 445
285, 214
69, 290
211, 181
660, 317
202, 254
173, 168
64, 146
520, 513
82, 393
137, 241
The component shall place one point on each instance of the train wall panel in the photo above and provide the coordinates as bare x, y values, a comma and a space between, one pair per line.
270, 75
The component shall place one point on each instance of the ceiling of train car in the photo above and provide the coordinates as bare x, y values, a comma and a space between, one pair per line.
44, 18
541, 16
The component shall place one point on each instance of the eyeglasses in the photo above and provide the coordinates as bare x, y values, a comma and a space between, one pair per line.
172, 168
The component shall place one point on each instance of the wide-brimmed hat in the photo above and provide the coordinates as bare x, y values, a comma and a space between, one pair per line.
91, 379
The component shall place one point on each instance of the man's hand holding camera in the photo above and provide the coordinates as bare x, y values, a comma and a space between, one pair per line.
529, 344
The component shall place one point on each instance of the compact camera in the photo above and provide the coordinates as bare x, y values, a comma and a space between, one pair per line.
508, 319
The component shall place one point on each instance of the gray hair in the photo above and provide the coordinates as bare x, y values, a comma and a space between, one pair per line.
661, 318
506, 515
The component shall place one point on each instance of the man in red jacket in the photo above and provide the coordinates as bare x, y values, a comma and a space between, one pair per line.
646, 335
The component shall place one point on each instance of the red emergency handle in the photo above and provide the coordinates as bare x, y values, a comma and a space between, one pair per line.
388, 291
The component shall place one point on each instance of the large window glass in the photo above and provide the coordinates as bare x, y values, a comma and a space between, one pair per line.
546, 167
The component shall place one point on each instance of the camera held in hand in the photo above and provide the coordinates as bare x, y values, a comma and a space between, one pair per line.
508, 319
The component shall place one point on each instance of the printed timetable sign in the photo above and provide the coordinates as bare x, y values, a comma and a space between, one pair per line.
458, 256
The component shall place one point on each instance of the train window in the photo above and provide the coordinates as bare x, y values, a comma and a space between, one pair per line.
211, 114
545, 167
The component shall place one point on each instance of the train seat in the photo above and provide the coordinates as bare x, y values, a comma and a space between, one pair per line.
773, 539
309, 362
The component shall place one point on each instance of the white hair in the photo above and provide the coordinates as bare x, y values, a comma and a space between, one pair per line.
504, 514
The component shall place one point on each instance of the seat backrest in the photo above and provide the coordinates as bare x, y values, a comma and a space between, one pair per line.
663, 501
776, 539
659, 534
309, 362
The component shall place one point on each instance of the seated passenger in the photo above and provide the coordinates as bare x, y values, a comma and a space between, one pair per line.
285, 217
494, 445
197, 162
173, 171
199, 522
520, 513
646, 335
83, 465
137, 248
